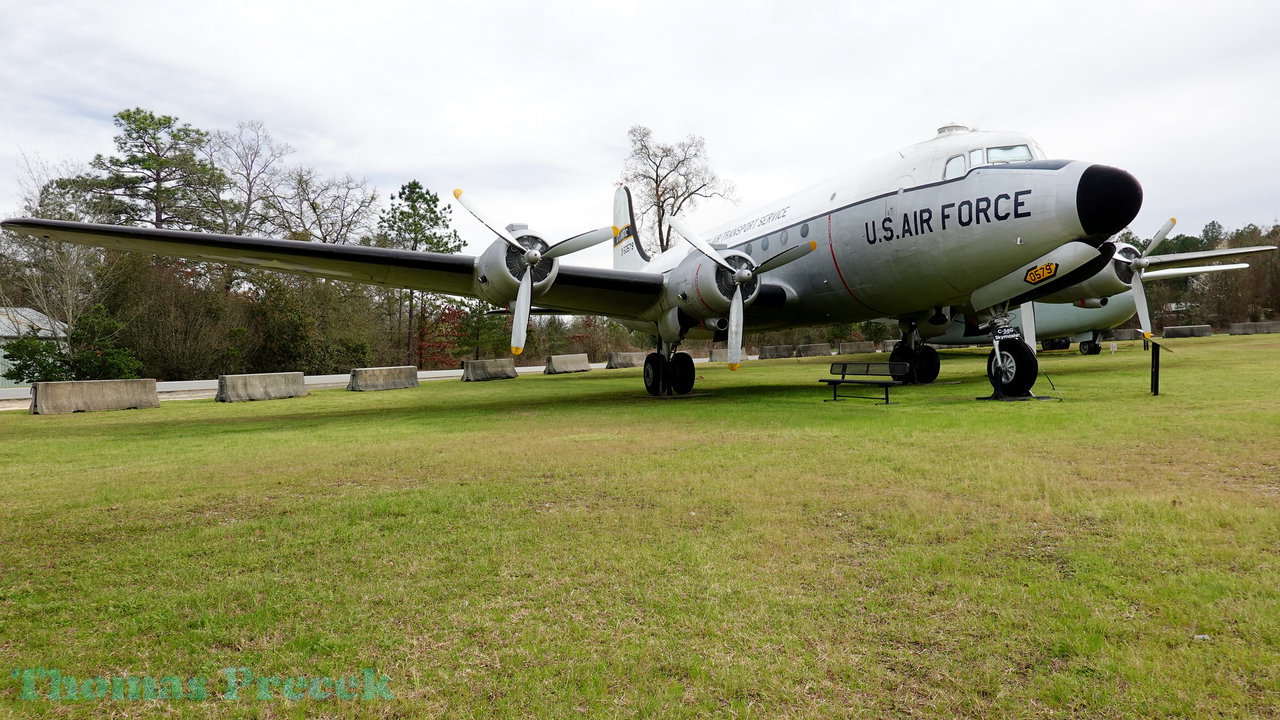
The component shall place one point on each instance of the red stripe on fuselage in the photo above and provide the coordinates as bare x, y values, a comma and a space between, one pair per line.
831, 243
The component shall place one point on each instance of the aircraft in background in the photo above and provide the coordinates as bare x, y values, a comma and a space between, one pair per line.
967, 223
1109, 299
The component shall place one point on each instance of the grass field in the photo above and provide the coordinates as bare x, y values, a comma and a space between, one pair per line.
569, 547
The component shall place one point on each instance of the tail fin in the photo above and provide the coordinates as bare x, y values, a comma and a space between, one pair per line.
628, 252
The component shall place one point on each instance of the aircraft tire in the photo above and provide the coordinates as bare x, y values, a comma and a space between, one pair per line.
682, 373
904, 354
1089, 347
654, 372
927, 365
1017, 373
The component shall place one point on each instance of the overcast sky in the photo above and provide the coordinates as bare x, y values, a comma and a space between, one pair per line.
526, 105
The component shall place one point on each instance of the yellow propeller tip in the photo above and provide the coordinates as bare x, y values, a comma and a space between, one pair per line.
734, 366
457, 193
813, 246
617, 231
516, 350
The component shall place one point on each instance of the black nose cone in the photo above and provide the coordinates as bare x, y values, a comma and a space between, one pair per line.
1107, 200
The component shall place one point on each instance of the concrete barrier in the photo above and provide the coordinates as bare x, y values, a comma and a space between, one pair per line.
383, 378
560, 364
1127, 334
52, 398
772, 352
481, 370
719, 355
889, 345
815, 350
260, 386
625, 360
1254, 328
1186, 331
852, 348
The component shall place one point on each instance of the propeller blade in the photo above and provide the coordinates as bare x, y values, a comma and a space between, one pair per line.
1140, 301
785, 257
697, 242
1160, 235
520, 312
475, 211
1028, 316
735, 329
581, 242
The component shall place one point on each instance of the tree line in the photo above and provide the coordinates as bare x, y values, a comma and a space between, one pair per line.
130, 314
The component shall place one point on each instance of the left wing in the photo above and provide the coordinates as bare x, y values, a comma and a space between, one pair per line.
595, 291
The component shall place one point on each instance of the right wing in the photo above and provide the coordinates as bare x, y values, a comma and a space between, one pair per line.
594, 291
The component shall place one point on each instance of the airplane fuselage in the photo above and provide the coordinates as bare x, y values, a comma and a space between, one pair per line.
925, 227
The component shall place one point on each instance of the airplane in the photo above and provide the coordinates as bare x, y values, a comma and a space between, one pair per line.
1057, 324
1085, 312
968, 222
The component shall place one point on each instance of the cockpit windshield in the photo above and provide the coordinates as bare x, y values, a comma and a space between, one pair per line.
1009, 153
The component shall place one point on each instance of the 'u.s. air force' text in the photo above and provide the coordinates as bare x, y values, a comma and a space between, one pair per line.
978, 211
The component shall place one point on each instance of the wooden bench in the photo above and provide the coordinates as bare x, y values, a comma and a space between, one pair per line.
879, 374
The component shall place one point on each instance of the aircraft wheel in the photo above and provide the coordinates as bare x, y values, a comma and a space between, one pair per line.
903, 353
1095, 348
927, 365
1014, 372
682, 373
1064, 343
1089, 347
654, 366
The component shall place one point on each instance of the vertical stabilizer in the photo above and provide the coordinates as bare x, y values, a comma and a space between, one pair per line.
628, 252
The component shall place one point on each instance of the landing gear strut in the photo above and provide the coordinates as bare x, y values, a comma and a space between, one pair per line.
674, 376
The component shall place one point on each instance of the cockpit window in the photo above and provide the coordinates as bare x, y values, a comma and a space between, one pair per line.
955, 168
1009, 153
976, 158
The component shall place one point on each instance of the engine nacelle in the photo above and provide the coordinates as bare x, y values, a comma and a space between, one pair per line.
501, 266
702, 289
1112, 279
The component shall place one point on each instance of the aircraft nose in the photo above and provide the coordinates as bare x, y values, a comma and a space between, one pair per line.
1107, 200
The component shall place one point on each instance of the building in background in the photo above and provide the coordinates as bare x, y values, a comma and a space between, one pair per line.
16, 322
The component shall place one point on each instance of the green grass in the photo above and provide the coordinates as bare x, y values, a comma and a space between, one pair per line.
567, 546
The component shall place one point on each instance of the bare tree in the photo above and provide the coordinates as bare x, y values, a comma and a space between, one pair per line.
252, 162
61, 280
331, 210
668, 180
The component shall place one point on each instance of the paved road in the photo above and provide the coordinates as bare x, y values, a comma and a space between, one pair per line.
20, 398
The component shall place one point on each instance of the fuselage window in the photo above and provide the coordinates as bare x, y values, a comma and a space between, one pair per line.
955, 168
1011, 153
975, 158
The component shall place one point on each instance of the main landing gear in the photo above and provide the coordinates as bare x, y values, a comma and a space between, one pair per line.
663, 376
923, 360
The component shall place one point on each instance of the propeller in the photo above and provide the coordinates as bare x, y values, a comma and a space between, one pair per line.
740, 276
521, 306
1139, 265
